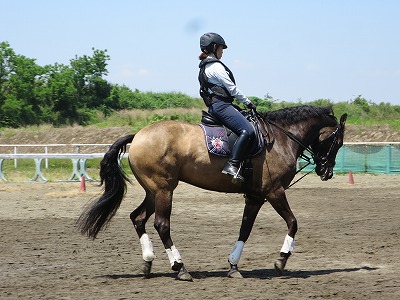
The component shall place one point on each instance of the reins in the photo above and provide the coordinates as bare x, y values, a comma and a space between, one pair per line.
297, 140
310, 161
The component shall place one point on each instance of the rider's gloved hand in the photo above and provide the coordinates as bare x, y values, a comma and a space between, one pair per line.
250, 105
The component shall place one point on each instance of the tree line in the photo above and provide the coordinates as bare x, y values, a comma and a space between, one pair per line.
61, 94
78, 93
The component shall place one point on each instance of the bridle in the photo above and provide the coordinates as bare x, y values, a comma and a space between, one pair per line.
323, 160
315, 158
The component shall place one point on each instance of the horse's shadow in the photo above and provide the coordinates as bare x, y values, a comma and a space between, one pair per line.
257, 273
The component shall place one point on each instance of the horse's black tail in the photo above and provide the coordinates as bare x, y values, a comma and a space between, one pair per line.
96, 216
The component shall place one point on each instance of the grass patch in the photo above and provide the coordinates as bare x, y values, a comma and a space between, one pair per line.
137, 119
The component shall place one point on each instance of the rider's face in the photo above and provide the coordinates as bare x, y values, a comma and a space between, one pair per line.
220, 50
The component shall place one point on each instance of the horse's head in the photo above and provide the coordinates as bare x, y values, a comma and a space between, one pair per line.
326, 147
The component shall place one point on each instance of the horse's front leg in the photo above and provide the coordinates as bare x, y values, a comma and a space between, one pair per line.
279, 202
250, 212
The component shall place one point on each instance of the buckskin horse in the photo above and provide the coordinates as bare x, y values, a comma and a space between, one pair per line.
166, 152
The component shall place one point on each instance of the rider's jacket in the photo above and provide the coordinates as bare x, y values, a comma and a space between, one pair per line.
216, 80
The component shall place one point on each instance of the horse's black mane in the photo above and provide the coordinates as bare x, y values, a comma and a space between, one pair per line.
292, 115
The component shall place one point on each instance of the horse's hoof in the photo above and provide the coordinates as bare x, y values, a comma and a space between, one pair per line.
234, 272
177, 266
280, 264
147, 268
184, 275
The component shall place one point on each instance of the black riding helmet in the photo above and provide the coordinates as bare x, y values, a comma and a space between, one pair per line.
208, 40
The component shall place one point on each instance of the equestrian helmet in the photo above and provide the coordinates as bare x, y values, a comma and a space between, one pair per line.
211, 38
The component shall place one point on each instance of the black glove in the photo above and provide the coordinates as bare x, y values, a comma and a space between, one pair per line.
250, 105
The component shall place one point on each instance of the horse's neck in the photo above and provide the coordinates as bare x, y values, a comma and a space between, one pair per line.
304, 133
308, 131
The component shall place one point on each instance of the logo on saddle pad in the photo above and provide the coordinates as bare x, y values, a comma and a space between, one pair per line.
217, 141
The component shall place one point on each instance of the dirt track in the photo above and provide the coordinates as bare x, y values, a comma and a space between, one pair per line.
347, 246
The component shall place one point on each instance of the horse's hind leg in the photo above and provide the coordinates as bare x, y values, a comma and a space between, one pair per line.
139, 218
163, 200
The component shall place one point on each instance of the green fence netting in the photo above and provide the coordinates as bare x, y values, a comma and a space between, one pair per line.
365, 158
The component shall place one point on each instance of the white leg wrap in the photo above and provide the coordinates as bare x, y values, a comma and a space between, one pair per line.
288, 245
173, 255
147, 248
236, 253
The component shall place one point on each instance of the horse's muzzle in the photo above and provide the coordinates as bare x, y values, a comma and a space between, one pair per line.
328, 174
324, 172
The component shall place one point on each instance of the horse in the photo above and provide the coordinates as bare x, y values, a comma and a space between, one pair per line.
166, 152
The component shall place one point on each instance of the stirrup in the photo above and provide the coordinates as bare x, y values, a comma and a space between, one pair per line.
237, 178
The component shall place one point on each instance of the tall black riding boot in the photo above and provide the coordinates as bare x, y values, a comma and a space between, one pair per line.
237, 154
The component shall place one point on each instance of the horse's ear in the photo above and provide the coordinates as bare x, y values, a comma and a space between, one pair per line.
343, 119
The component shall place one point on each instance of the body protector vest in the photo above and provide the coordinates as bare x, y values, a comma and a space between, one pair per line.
206, 87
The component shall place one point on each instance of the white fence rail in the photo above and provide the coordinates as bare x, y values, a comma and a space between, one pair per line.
51, 148
78, 156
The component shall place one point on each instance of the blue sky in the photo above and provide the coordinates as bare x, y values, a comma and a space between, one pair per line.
292, 50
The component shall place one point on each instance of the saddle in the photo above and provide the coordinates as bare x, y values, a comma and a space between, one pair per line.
220, 140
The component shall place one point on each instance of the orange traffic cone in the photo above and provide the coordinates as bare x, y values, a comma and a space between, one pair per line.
83, 184
351, 179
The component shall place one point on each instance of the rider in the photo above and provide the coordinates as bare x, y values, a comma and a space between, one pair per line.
218, 89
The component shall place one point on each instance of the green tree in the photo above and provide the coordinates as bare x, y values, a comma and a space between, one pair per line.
59, 95
362, 103
19, 104
88, 72
72, 94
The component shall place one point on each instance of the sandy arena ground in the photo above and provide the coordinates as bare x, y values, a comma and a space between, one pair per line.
347, 246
